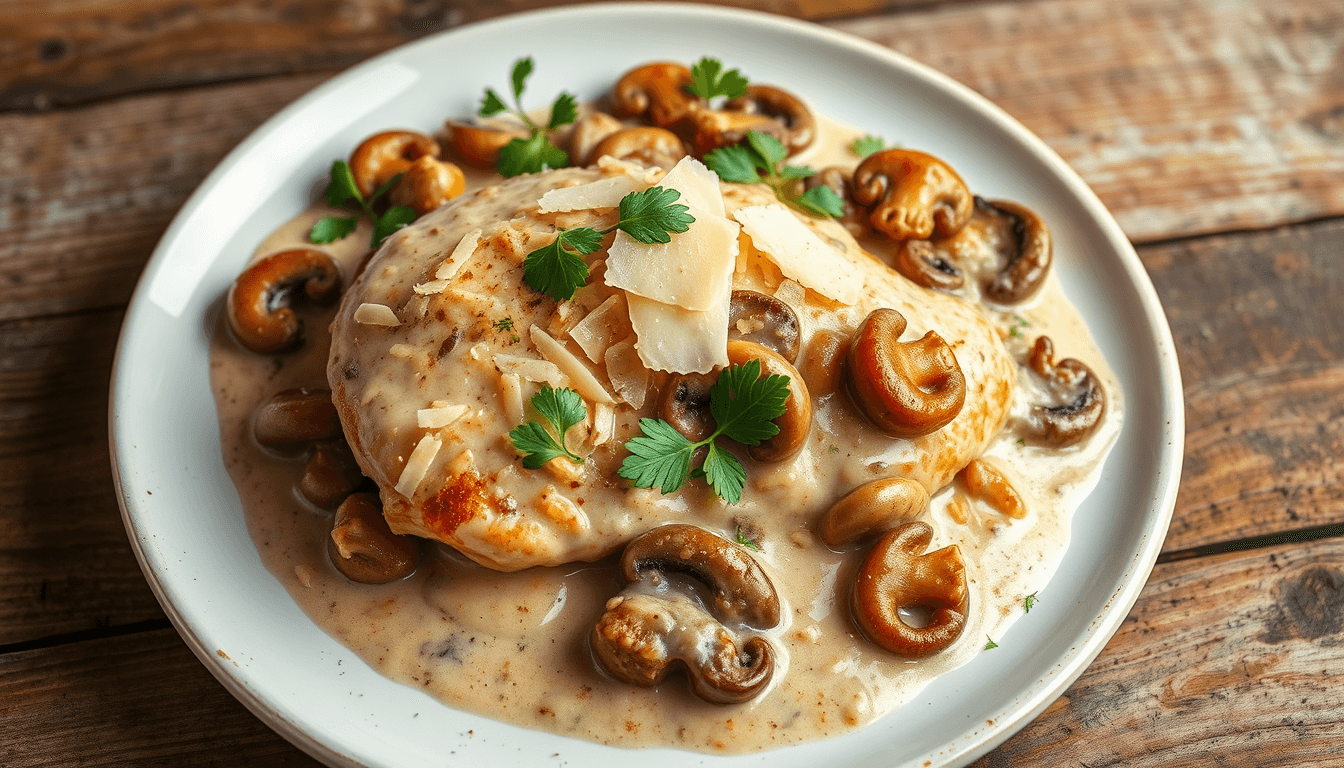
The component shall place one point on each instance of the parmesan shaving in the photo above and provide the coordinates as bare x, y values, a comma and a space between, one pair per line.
376, 314
601, 327
430, 288
511, 392
699, 186
692, 271
464, 250
418, 464
791, 293
604, 423
605, 193
531, 368
585, 383
799, 253
679, 340
628, 375
401, 350
435, 418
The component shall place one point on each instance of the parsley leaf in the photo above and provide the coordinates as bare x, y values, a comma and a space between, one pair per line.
395, 218
522, 69
650, 216
991, 644
708, 80
342, 186
491, 104
761, 160
530, 155
741, 538
867, 145
743, 405
562, 409
564, 111
1029, 602
329, 229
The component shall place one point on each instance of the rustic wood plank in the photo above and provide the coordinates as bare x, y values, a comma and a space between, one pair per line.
1261, 348
138, 700
1234, 660
1185, 117
65, 562
67, 53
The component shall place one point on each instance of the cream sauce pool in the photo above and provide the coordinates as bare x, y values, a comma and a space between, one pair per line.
514, 646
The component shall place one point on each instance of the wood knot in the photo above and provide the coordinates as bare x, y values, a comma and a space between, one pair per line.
1309, 606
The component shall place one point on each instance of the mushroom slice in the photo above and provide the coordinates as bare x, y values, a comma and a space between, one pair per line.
478, 145
874, 507
764, 320
789, 111
647, 145
589, 131
906, 389
684, 403
910, 195
330, 475
658, 91
895, 575
1028, 253
841, 182
796, 421
920, 263
739, 589
296, 417
258, 305
363, 548
383, 155
641, 638
1076, 387
427, 184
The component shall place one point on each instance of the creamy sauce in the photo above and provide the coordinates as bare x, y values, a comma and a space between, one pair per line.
514, 646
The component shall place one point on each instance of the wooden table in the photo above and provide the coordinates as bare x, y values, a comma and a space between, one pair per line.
1213, 130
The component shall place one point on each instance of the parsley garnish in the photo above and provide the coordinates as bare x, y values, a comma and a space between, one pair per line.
743, 405
708, 80
867, 145
341, 189
1016, 330
562, 408
1029, 602
761, 160
535, 153
742, 539
503, 324
649, 216
991, 644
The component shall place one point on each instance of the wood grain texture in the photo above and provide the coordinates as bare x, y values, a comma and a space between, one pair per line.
71, 52
1228, 661
65, 562
141, 700
1261, 348
1185, 117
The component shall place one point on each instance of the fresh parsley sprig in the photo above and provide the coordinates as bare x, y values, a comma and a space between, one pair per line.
342, 188
535, 153
867, 145
743, 405
1029, 602
562, 409
709, 80
649, 216
761, 160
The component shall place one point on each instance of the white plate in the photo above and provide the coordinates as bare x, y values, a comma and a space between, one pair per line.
183, 513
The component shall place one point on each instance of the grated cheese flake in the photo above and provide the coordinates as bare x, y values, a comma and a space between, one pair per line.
604, 193
376, 314
680, 340
585, 383
799, 253
418, 465
439, 416
464, 250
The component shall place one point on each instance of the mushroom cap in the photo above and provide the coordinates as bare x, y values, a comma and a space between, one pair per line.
383, 155
363, 548
796, 421
898, 574
258, 302
906, 389
910, 194
1070, 380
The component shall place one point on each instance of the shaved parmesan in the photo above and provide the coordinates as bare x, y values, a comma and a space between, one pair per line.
791, 293
680, 340
604, 423
610, 166
585, 383
692, 271
418, 464
605, 193
376, 314
430, 288
699, 186
511, 391
464, 250
628, 375
601, 327
799, 253
532, 369
442, 416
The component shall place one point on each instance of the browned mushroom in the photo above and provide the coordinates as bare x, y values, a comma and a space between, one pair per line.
588, 132
427, 184
363, 548
650, 628
796, 421
642, 638
896, 575
383, 155
715, 128
921, 264
800, 128
872, 508
739, 589
841, 182
906, 389
658, 91
648, 145
1082, 400
258, 303
985, 482
1027, 253
295, 418
764, 320
910, 195
330, 475
478, 145
823, 362
684, 403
